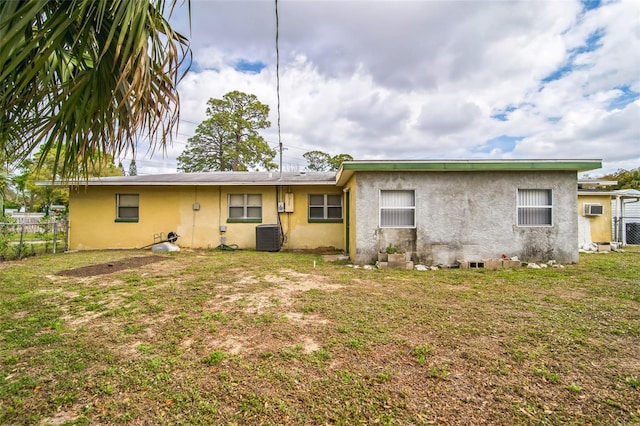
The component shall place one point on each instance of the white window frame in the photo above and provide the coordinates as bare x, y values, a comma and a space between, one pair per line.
246, 207
325, 208
400, 208
127, 204
523, 205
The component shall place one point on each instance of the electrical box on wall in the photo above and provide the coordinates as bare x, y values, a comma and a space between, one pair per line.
288, 202
280, 207
196, 206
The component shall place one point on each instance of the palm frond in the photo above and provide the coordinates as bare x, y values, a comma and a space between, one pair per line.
88, 75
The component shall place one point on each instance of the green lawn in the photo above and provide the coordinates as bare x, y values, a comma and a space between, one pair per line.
208, 337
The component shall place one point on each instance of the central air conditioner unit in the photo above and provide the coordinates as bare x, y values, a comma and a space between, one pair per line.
268, 237
593, 209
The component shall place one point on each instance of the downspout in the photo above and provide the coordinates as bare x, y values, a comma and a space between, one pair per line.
347, 219
220, 232
278, 221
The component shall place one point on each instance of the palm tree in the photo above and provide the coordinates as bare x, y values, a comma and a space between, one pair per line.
87, 76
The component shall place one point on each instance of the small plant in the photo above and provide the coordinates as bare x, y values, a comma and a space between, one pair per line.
385, 376
291, 352
144, 348
633, 382
547, 375
319, 356
133, 328
10, 359
356, 344
422, 352
393, 249
217, 316
346, 376
574, 388
214, 358
439, 372
106, 389
265, 318
266, 355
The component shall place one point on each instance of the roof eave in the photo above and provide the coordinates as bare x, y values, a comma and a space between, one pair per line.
169, 183
592, 193
349, 167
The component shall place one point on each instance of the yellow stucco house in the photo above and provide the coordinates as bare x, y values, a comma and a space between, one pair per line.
207, 210
435, 211
595, 215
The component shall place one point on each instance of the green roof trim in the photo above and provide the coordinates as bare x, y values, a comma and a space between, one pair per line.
462, 165
349, 168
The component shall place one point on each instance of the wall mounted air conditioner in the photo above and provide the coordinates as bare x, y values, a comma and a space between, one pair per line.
593, 209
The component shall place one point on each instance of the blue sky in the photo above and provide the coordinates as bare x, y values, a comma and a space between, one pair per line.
423, 79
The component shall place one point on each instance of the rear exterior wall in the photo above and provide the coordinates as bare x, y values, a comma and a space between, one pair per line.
468, 216
198, 214
600, 227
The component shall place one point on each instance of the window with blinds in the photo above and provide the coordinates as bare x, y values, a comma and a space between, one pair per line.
127, 207
535, 207
243, 207
397, 209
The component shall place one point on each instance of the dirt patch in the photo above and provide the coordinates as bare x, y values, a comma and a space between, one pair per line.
110, 267
284, 285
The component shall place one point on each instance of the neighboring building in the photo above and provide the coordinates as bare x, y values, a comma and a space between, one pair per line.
606, 215
439, 212
595, 213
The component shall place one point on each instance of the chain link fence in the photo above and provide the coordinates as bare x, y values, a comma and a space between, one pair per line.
626, 230
18, 240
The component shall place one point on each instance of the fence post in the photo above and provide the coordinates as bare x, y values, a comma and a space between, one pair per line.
55, 235
21, 240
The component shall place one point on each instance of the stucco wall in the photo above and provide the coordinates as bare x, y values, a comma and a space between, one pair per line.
599, 226
92, 212
468, 215
299, 233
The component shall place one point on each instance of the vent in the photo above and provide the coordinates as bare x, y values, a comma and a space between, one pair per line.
593, 209
268, 238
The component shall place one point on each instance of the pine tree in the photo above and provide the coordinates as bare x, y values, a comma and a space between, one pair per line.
229, 139
133, 169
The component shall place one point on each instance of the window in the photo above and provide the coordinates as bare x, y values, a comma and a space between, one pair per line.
127, 207
245, 208
325, 207
534, 207
397, 209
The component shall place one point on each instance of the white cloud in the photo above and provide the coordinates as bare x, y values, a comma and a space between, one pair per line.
422, 79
